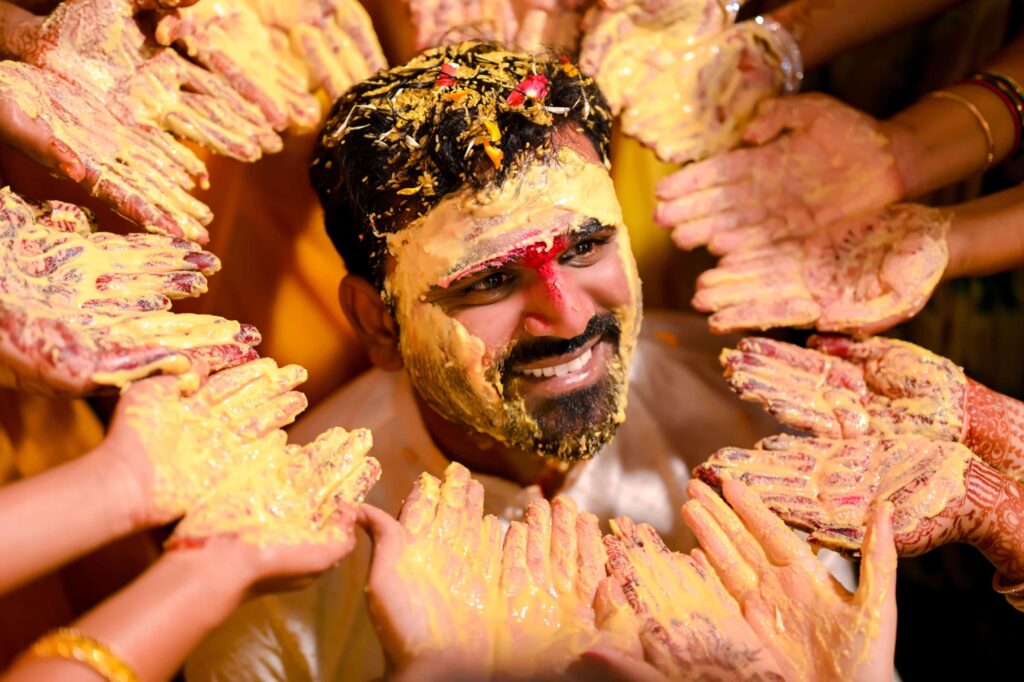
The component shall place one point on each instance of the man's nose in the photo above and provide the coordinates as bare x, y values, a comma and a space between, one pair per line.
556, 305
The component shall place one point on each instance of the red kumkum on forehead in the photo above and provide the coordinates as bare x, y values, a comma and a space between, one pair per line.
538, 256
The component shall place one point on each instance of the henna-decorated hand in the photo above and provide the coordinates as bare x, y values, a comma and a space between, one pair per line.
819, 161
98, 45
80, 309
141, 172
841, 388
811, 624
690, 626
291, 510
522, 608
180, 445
829, 487
859, 276
685, 78
231, 39
334, 38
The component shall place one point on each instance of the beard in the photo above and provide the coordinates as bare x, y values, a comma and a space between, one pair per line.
575, 425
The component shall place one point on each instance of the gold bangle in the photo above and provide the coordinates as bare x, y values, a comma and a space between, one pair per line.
75, 645
1014, 593
976, 112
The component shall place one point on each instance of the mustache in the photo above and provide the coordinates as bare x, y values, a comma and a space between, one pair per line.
604, 327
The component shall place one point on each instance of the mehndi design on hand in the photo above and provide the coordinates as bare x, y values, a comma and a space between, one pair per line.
860, 276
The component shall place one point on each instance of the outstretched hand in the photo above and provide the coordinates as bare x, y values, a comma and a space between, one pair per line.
288, 511
685, 78
522, 607
98, 45
860, 276
811, 624
140, 171
816, 161
80, 310
690, 626
830, 487
842, 388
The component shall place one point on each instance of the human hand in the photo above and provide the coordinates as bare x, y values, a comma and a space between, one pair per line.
811, 624
690, 626
80, 310
141, 172
523, 607
144, 83
231, 39
830, 487
841, 388
860, 276
333, 38
179, 441
289, 509
685, 78
273, 497
438, 23
817, 161
439, 564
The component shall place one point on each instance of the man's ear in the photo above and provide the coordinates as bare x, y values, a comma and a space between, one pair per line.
372, 321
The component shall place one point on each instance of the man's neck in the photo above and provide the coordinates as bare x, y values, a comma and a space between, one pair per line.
486, 455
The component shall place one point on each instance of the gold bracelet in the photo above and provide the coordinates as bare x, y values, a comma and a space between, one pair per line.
1014, 593
75, 645
976, 112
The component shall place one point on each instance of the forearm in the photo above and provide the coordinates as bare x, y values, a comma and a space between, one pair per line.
826, 28
52, 518
153, 623
995, 429
987, 235
939, 141
996, 524
19, 29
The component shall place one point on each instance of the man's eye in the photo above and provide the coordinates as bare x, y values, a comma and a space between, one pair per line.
584, 252
489, 283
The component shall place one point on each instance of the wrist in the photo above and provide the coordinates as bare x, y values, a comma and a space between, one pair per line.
118, 488
957, 241
906, 153
998, 504
216, 571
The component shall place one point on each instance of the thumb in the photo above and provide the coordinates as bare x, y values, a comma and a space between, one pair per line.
383, 529
778, 114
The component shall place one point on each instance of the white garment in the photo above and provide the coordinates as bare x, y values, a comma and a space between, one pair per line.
679, 412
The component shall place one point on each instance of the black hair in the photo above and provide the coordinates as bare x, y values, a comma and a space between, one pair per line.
458, 116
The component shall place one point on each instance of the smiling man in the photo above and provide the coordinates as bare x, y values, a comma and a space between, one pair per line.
491, 279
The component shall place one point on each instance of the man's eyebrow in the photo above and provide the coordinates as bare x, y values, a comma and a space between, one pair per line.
574, 235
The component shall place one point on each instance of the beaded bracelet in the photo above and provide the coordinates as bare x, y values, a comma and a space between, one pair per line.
980, 117
72, 644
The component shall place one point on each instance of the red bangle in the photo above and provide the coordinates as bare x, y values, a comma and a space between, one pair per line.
1015, 110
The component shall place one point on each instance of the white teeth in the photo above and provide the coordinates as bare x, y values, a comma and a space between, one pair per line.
563, 369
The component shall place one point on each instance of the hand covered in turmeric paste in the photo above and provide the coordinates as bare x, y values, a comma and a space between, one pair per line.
443, 585
334, 39
809, 623
861, 275
830, 487
98, 45
230, 38
79, 309
141, 172
842, 388
689, 625
276, 496
181, 442
817, 161
685, 78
